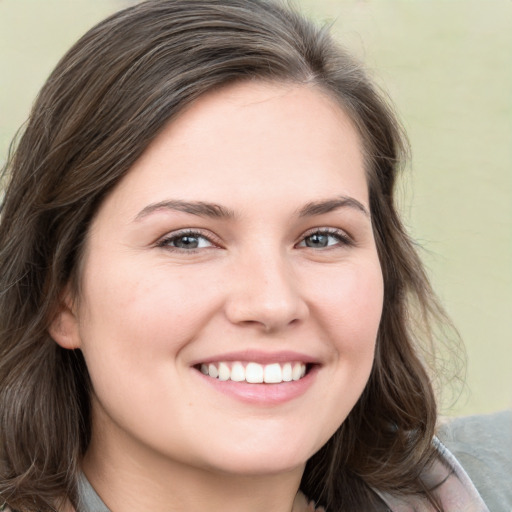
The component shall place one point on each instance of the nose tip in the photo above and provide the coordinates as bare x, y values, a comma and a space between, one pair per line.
268, 299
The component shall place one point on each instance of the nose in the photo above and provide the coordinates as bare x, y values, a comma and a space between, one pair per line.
264, 293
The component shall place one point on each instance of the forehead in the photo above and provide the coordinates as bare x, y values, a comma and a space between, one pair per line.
252, 141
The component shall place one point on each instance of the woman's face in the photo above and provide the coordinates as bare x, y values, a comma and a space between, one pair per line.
239, 247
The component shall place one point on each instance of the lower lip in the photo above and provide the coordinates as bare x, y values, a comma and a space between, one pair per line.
263, 394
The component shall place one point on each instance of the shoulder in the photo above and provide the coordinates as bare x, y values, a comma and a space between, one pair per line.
483, 446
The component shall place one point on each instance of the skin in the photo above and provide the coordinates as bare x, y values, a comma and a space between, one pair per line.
163, 438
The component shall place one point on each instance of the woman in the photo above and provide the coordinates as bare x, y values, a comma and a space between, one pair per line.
208, 300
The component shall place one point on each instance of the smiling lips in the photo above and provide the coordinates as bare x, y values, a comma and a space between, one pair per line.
255, 373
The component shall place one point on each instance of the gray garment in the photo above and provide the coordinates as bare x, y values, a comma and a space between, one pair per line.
450, 486
89, 501
483, 446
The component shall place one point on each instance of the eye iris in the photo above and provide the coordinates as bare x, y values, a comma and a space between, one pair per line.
186, 242
317, 240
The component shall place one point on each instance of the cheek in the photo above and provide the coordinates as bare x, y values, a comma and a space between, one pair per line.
348, 308
349, 304
142, 313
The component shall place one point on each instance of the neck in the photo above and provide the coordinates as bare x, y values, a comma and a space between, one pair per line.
133, 479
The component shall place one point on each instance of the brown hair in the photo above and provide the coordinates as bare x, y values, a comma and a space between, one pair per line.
105, 102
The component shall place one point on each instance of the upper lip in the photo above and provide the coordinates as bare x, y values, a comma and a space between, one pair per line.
258, 356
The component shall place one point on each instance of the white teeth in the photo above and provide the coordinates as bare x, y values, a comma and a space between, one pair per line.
296, 371
272, 374
287, 372
212, 371
255, 373
238, 372
224, 372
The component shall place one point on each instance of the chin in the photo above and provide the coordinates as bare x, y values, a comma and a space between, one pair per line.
264, 459
261, 466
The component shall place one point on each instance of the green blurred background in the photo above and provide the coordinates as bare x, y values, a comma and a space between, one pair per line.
447, 64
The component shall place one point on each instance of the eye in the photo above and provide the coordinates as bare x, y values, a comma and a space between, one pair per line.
186, 241
325, 238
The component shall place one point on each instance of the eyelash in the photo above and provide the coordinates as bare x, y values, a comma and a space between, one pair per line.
342, 238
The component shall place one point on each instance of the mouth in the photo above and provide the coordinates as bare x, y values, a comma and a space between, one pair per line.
255, 373
259, 378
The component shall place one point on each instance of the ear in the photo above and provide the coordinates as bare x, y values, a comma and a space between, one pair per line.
64, 327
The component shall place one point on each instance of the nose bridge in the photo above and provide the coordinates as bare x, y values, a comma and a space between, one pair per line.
264, 290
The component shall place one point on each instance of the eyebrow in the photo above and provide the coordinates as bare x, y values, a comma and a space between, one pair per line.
329, 205
216, 211
199, 208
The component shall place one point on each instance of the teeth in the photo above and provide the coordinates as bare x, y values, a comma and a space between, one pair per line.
287, 372
224, 372
272, 374
296, 371
255, 373
238, 372
212, 371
